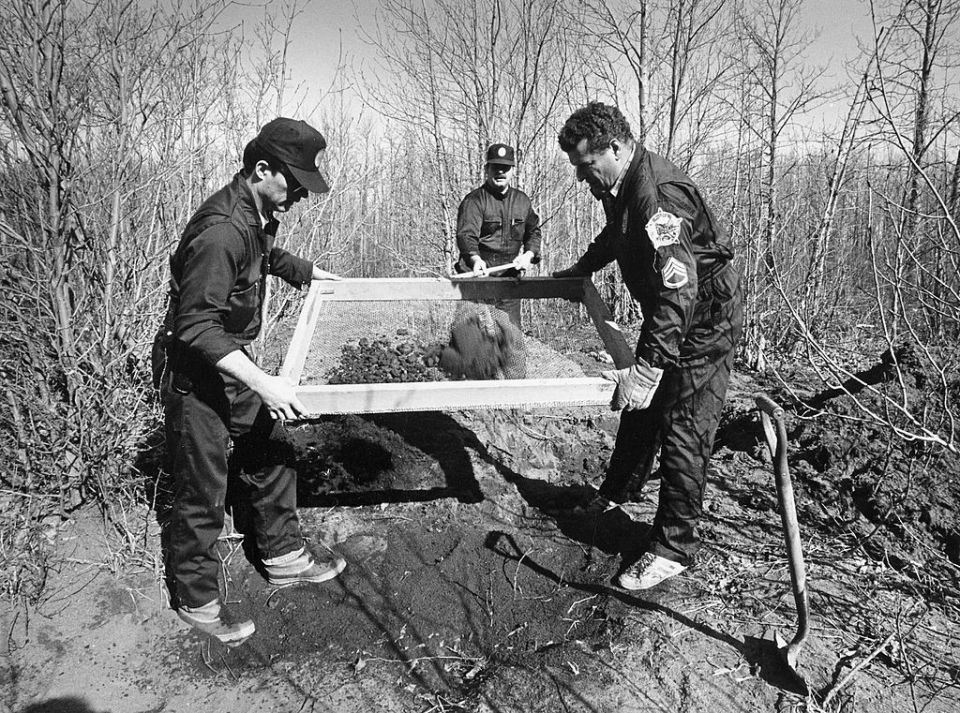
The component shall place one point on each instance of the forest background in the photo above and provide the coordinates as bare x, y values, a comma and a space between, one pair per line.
117, 118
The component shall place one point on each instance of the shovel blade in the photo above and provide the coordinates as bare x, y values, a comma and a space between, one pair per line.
788, 656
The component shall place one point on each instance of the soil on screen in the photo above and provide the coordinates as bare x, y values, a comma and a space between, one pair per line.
465, 592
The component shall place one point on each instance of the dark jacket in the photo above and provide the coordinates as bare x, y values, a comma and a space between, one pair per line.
496, 227
685, 284
218, 275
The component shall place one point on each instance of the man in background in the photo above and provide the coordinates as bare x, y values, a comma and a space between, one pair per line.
216, 399
496, 225
677, 264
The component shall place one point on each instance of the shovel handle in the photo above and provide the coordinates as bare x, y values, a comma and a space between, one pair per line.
775, 430
769, 406
490, 271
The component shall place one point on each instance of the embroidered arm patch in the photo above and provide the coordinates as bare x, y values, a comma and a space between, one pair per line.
674, 274
663, 229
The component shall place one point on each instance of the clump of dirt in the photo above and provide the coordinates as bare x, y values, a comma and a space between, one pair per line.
386, 359
484, 344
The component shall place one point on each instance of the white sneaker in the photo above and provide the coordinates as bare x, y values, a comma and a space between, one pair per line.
302, 566
207, 619
648, 572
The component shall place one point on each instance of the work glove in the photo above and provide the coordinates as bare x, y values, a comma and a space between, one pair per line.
523, 261
573, 271
479, 266
635, 386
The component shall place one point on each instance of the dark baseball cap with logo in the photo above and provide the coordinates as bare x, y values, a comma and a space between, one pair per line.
501, 154
299, 146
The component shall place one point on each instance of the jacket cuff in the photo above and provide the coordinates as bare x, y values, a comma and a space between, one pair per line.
213, 349
651, 357
303, 273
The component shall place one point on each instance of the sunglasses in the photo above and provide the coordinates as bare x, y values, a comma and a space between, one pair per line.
294, 187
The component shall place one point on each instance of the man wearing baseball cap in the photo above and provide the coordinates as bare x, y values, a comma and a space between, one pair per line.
213, 392
496, 224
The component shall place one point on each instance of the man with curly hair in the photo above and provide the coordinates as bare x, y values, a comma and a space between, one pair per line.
676, 262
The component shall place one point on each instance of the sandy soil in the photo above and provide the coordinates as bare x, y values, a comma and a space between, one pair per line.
463, 592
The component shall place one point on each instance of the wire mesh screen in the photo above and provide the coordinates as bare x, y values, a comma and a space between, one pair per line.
380, 344
405, 341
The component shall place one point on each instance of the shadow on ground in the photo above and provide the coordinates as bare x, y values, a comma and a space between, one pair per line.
61, 705
384, 458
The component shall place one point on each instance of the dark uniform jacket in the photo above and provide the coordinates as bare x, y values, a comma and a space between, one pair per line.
218, 276
496, 227
675, 260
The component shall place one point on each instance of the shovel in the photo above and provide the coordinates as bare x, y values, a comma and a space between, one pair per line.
775, 430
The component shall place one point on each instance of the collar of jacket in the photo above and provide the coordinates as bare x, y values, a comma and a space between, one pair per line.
618, 184
632, 176
498, 196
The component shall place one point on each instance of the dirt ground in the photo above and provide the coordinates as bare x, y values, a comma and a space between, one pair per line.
463, 592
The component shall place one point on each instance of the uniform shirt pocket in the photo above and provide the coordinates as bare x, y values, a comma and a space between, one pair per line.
489, 227
243, 306
518, 230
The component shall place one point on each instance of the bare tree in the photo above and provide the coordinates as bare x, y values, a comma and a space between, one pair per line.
900, 276
698, 69
105, 112
462, 75
623, 29
773, 46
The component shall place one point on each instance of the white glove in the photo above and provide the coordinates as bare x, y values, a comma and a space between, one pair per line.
479, 266
523, 261
635, 386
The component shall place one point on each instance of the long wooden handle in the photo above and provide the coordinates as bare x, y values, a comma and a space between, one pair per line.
490, 271
775, 430
768, 406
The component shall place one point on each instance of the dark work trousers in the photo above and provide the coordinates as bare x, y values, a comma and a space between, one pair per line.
201, 421
681, 421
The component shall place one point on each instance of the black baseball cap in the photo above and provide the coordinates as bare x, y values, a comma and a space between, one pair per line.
299, 146
501, 154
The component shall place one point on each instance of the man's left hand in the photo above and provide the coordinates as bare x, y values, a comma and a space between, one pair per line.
319, 274
635, 386
523, 261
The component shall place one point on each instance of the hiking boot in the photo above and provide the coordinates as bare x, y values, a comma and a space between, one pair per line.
207, 619
301, 566
648, 572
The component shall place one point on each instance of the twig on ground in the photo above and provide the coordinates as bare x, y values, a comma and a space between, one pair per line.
232, 673
580, 601
834, 690
205, 655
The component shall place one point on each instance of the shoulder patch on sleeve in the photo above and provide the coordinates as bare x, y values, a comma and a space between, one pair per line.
663, 229
674, 274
